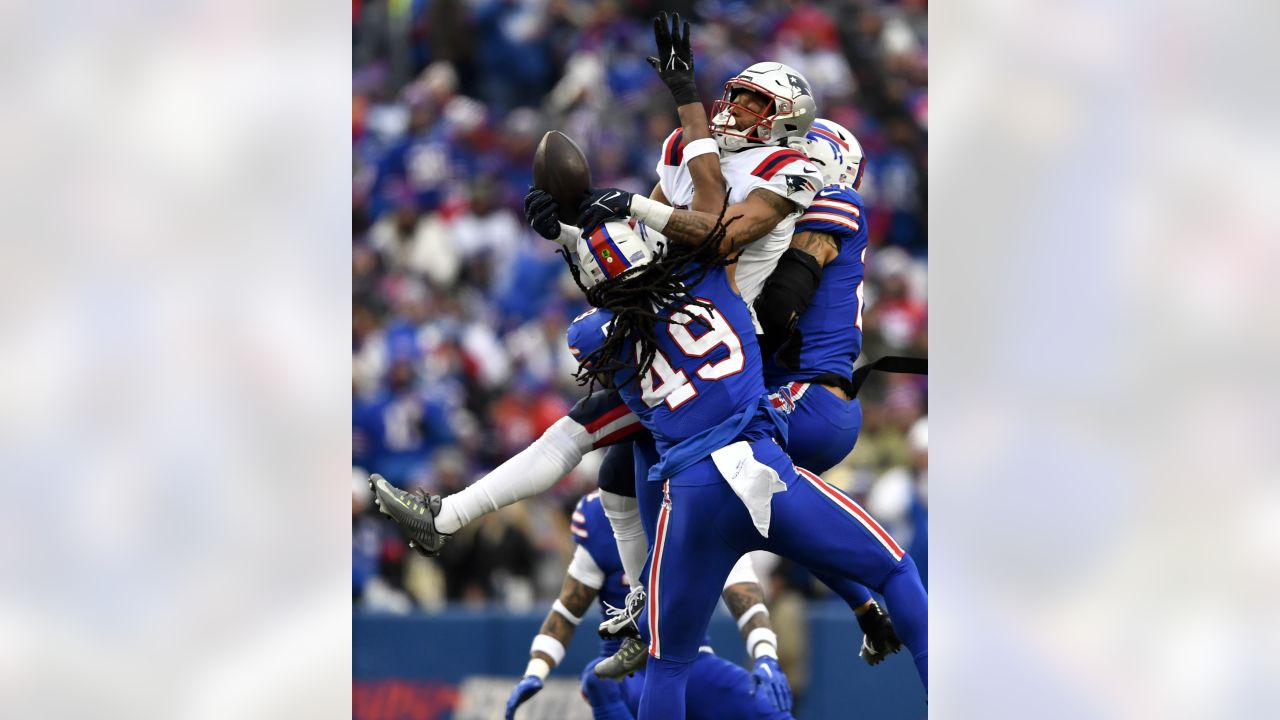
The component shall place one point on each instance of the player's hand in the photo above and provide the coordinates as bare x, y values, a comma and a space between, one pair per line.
674, 61
767, 678
525, 689
600, 205
878, 638
540, 210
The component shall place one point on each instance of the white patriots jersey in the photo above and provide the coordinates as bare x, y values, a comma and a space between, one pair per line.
783, 170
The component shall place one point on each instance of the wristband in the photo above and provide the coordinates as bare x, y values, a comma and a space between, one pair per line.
651, 212
705, 146
761, 642
559, 607
548, 646
538, 668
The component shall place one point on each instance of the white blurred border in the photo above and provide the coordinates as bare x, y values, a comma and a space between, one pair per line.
175, 292
1104, 503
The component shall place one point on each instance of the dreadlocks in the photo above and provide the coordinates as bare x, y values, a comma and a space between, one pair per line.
638, 298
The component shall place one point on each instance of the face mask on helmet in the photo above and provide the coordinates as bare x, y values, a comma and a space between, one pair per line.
835, 151
613, 249
788, 109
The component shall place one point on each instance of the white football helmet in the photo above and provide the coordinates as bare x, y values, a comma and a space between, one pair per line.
835, 151
788, 115
612, 249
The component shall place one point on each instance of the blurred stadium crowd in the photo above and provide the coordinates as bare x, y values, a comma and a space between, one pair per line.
459, 310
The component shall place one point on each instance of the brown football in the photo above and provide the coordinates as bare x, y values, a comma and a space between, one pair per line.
560, 168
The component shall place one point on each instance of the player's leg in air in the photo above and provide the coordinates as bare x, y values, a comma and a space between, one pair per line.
851, 548
596, 421
823, 428
618, 496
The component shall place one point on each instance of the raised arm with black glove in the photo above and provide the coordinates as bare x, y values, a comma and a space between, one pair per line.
674, 61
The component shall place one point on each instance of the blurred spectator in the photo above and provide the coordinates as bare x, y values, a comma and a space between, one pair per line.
459, 310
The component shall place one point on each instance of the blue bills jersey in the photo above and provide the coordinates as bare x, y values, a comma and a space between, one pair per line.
592, 531
702, 375
828, 336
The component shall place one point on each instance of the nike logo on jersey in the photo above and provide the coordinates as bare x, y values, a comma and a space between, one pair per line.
825, 193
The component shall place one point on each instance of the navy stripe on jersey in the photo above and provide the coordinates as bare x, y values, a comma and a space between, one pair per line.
775, 162
673, 149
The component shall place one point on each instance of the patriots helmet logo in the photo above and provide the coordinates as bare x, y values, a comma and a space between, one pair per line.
799, 84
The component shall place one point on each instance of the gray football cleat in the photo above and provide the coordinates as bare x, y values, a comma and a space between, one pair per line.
632, 656
622, 620
414, 512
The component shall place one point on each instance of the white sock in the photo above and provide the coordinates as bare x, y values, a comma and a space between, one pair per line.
530, 472
628, 531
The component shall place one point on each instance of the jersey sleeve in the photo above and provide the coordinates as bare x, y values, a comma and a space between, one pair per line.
673, 149
834, 211
585, 570
742, 572
668, 167
789, 173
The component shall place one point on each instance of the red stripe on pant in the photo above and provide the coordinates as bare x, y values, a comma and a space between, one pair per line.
659, 544
857, 512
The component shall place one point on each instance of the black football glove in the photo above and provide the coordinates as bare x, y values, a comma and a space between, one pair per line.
541, 211
878, 638
674, 61
600, 205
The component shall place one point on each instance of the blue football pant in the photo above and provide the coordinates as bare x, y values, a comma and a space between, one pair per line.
720, 690
649, 495
703, 529
822, 428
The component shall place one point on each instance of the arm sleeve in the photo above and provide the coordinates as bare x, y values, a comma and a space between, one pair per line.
785, 297
584, 569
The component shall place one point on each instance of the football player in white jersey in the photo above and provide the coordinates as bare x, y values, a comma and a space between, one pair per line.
769, 183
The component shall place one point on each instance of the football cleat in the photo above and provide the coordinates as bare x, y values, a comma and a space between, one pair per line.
414, 512
632, 656
619, 621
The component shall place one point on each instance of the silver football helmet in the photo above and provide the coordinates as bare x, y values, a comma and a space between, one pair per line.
789, 113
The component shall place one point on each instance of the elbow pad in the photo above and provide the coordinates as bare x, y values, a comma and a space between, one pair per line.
785, 297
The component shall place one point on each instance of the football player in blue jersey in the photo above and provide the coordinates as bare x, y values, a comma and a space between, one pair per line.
811, 314
811, 307
724, 690
672, 335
